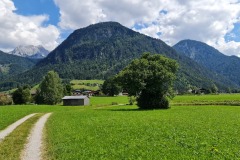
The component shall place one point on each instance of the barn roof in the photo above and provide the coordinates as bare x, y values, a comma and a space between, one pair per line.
74, 97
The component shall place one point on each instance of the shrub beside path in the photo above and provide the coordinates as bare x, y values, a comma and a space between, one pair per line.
10, 128
33, 147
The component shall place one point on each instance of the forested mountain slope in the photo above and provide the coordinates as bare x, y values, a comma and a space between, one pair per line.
102, 50
212, 59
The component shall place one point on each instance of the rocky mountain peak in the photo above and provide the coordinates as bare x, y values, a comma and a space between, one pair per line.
30, 51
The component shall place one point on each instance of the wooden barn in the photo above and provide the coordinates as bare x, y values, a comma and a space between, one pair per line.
75, 100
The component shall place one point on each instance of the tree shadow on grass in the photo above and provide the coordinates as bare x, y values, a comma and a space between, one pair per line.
133, 110
124, 110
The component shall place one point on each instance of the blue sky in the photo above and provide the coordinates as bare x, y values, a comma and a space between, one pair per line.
49, 22
38, 7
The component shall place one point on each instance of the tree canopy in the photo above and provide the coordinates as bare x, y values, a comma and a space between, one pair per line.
22, 95
150, 79
50, 90
110, 87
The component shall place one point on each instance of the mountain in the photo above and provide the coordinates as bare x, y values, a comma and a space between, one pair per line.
102, 50
203, 54
30, 51
12, 65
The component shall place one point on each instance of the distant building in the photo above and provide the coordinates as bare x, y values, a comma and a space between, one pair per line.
77, 92
88, 93
75, 100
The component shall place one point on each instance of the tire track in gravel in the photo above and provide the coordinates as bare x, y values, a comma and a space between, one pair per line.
13, 126
34, 145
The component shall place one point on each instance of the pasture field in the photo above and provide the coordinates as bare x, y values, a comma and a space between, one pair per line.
86, 84
101, 101
105, 131
10, 114
219, 99
186, 132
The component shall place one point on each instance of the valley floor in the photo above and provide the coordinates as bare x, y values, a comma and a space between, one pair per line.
106, 131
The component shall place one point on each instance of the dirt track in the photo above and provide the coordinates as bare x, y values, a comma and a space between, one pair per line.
33, 147
10, 128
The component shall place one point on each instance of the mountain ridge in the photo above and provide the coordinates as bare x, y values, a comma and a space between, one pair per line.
13, 65
211, 58
102, 50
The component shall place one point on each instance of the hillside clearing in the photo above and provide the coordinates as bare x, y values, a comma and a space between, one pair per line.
86, 84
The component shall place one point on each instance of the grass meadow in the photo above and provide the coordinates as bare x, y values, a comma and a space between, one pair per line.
217, 99
105, 131
86, 84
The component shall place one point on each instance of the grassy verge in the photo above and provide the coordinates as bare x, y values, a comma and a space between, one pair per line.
126, 133
13, 144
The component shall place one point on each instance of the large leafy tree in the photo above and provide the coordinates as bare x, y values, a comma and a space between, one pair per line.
150, 79
110, 87
50, 90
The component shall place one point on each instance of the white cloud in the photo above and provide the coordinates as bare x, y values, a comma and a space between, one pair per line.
80, 13
24, 30
204, 20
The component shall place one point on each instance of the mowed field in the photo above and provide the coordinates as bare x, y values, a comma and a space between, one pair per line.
86, 84
106, 131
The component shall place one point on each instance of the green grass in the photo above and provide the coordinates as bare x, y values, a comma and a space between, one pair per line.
87, 81
10, 114
108, 100
219, 99
213, 97
13, 144
83, 84
127, 133
105, 131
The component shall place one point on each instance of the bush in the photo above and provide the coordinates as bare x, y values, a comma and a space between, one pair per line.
5, 99
131, 100
114, 103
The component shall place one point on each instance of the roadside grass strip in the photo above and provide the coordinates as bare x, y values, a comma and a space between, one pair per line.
10, 128
12, 145
34, 147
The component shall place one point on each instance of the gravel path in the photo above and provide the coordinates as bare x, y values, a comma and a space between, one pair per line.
32, 150
10, 128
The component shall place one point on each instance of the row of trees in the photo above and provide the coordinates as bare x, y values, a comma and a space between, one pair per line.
50, 91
